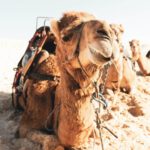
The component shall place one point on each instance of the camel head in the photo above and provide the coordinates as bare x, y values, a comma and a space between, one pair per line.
118, 30
135, 49
80, 35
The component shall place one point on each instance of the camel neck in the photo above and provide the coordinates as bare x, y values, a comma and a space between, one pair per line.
75, 80
77, 111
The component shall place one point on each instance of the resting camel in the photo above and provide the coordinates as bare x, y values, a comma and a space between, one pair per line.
84, 45
81, 52
120, 73
142, 61
114, 75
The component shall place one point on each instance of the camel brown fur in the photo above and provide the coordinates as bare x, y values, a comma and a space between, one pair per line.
81, 51
142, 61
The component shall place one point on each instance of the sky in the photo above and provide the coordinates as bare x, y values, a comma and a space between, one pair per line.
18, 17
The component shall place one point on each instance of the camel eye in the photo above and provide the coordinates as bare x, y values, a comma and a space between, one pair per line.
102, 32
67, 37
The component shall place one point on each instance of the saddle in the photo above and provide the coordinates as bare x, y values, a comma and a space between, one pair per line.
26, 63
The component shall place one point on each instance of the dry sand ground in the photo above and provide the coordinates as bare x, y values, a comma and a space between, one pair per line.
128, 117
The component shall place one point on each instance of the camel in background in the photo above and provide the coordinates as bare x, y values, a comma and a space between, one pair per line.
114, 75
120, 73
84, 45
142, 61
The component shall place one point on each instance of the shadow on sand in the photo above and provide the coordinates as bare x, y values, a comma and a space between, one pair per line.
5, 101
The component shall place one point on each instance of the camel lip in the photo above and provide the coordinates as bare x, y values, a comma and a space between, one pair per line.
98, 55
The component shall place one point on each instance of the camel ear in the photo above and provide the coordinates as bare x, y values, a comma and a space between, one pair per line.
55, 29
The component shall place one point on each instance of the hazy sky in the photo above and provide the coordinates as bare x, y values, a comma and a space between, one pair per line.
18, 17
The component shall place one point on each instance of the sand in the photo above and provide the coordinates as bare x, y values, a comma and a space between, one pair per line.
128, 116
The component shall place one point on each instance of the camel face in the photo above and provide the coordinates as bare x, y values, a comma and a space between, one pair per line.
135, 49
98, 42
92, 41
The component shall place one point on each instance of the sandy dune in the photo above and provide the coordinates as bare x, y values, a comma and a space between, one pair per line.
128, 116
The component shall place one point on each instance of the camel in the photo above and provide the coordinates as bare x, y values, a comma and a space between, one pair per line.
120, 74
83, 46
142, 61
114, 74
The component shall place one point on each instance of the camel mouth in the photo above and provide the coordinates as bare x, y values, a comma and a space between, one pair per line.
98, 55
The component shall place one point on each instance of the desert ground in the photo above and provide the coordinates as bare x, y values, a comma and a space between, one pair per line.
128, 115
